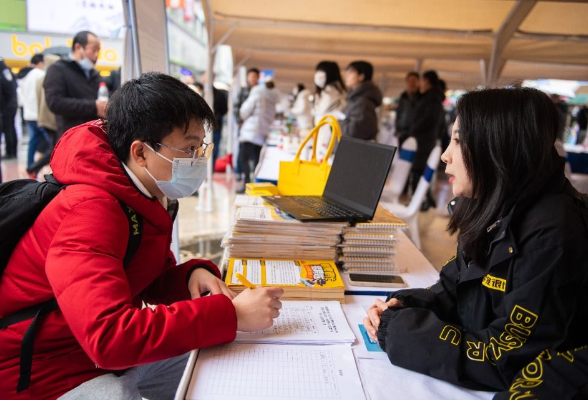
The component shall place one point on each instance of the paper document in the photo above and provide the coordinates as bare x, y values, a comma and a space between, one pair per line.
284, 372
305, 322
242, 200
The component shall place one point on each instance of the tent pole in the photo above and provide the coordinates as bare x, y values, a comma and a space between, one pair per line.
513, 20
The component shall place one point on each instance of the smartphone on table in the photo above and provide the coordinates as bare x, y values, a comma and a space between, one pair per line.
391, 281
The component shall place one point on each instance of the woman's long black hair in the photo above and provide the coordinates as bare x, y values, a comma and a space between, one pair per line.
331, 68
507, 140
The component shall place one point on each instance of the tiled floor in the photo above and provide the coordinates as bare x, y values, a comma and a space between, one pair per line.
201, 228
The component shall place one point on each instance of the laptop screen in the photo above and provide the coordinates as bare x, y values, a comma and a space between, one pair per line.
358, 174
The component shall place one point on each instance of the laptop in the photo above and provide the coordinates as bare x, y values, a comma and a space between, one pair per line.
354, 187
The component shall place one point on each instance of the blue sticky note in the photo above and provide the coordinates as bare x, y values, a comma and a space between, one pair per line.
370, 345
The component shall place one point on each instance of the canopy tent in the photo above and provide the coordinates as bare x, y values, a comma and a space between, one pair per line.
469, 42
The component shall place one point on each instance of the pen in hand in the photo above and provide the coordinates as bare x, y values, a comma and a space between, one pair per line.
244, 281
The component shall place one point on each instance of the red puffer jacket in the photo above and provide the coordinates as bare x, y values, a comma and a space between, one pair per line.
74, 252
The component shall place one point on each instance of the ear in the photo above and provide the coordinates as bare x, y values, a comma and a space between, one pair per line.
361, 77
137, 153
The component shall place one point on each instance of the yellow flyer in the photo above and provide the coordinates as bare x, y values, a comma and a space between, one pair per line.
291, 273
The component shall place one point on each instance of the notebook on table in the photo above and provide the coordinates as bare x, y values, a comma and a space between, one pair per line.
353, 189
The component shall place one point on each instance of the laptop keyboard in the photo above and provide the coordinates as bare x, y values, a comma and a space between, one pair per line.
323, 207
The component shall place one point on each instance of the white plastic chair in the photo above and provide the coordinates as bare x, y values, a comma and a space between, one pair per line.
410, 213
400, 171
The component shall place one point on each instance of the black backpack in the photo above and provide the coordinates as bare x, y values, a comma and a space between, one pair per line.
21, 202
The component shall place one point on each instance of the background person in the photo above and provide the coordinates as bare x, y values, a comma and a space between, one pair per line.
252, 81
28, 86
8, 108
258, 112
71, 85
329, 98
220, 107
363, 98
101, 343
406, 105
425, 126
46, 120
302, 107
518, 284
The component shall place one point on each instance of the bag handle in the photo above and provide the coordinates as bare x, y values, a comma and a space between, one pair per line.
335, 135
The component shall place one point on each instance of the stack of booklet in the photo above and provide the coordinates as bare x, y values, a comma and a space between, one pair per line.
300, 279
370, 247
262, 230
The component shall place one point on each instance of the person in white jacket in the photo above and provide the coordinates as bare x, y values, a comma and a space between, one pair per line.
302, 107
329, 98
257, 112
28, 87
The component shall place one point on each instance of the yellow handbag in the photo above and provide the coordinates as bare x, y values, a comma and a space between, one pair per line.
308, 178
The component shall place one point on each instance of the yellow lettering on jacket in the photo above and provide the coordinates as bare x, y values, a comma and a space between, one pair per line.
450, 333
567, 355
517, 331
476, 351
494, 283
531, 377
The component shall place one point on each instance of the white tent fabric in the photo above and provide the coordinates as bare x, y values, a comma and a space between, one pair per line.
469, 42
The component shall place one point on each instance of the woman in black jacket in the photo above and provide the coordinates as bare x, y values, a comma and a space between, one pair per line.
514, 298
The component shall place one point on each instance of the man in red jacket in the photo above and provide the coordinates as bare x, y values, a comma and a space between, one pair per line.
101, 342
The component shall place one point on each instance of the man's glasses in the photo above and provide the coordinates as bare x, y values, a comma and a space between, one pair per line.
203, 151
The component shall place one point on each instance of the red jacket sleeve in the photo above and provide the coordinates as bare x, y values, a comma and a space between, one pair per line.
172, 285
84, 267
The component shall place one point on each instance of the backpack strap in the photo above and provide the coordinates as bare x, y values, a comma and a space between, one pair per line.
26, 345
28, 340
135, 232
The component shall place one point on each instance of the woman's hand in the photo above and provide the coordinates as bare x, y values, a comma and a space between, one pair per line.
372, 321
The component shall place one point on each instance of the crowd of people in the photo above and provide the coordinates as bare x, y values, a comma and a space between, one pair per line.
511, 303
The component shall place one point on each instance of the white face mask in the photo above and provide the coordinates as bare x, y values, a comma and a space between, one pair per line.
85, 63
320, 79
187, 176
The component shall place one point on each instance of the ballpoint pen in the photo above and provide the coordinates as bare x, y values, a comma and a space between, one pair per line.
244, 281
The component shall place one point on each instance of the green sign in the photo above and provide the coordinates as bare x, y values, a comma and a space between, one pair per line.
13, 15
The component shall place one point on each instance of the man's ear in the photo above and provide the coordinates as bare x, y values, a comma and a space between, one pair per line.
361, 77
137, 153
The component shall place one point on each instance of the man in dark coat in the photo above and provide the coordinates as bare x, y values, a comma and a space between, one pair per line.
363, 98
71, 85
406, 106
8, 107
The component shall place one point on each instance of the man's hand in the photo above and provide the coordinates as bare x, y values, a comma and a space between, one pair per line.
372, 321
201, 280
257, 308
101, 107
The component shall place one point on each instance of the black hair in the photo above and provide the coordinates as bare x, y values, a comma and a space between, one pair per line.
300, 87
362, 68
432, 77
331, 69
253, 70
412, 73
150, 108
506, 137
37, 58
442, 85
81, 38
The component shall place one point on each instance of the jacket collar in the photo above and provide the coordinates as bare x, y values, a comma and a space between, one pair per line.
502, 244
73, 64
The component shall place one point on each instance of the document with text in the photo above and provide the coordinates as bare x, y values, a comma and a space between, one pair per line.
267, 371
305, 322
